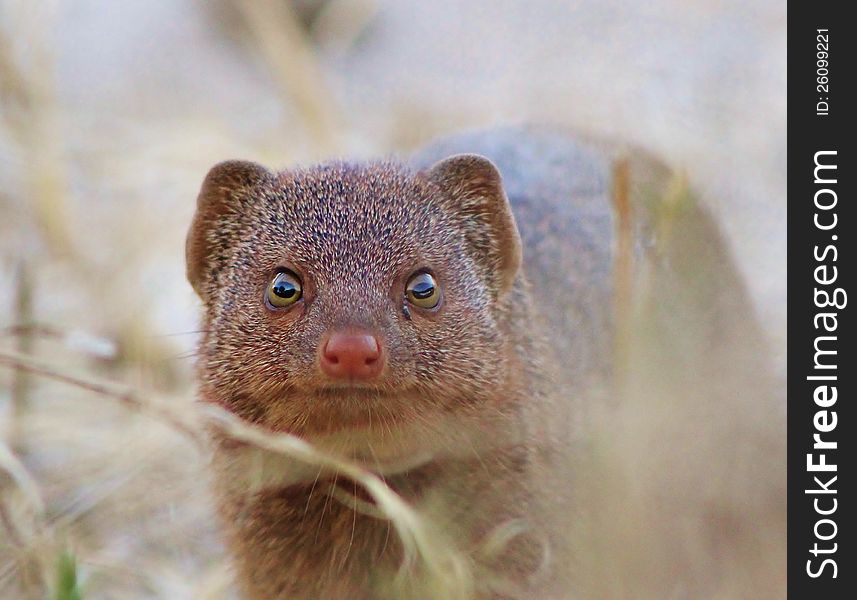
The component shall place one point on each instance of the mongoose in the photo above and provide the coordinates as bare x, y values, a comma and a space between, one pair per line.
443, 321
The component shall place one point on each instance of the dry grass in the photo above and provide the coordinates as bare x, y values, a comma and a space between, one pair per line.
104, 486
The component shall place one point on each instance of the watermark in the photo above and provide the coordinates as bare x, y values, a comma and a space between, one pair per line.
822, 368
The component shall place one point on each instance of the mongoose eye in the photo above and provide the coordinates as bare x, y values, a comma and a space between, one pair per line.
284, 290
422, 290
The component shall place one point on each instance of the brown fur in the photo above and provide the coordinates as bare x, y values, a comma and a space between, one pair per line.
456, 382
471, 394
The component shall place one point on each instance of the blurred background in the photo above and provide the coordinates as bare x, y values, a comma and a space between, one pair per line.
112, 112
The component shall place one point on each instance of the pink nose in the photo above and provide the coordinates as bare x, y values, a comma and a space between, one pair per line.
351, 356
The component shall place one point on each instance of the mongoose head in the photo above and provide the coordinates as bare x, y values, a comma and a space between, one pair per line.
355, 297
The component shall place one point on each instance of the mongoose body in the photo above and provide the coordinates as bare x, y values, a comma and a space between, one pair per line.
442, 321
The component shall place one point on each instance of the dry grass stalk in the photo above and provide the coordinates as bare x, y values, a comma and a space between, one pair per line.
340, 22
288, 52
623, 276
425, 553
30, 117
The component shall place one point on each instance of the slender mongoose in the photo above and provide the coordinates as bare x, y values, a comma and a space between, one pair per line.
443, 321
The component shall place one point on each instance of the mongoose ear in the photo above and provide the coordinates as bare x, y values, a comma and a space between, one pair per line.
218, 213
475, 187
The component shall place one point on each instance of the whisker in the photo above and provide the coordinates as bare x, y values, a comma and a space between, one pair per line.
353, 529
324, 509
311, 490
178, 333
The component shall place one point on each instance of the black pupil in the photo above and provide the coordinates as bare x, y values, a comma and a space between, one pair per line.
423, 289
285, 290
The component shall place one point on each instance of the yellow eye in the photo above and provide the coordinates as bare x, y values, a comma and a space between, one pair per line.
422, 290
284, 290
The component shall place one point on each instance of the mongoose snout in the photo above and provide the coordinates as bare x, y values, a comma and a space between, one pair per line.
351, 355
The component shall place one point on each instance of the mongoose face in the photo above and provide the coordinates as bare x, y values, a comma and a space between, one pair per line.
354, 297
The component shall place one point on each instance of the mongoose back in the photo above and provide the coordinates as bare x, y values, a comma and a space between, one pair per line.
442, 321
